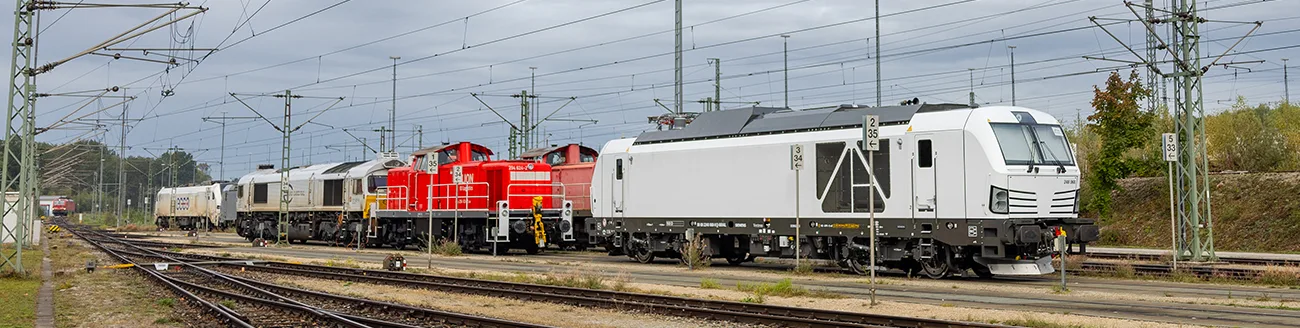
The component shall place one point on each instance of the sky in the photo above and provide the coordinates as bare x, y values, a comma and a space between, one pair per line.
613, 58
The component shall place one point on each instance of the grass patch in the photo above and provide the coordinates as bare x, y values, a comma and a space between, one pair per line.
1058, 289
228, 303
783, 288
573, 278
707, 283
19, 290
1278, 276
1035, 323
107, 297
166, 321
1125, 270
343, 263
447, 247
802, 269
696, 254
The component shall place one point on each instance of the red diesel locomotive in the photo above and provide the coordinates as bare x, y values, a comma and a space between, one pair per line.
571, 169
457, 192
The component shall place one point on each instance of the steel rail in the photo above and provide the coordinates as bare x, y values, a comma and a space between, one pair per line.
281, 302
1230, 260
220, 312
671, 305
1168, 270
408, 312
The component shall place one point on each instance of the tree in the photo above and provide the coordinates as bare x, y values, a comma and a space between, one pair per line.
1122, 125
1246, 138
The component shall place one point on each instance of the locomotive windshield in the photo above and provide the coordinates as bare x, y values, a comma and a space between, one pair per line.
376, 182
556, 158
1032, 144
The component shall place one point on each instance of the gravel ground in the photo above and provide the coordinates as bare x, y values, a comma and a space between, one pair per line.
942, 311
502, 308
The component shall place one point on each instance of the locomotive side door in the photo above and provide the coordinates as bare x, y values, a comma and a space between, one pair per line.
616, 181
924, 200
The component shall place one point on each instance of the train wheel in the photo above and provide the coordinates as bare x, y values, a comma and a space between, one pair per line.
644, 256
936, 266
858, 266
737, 260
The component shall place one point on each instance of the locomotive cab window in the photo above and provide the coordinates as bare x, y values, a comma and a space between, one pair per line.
924, 153
448, 156
618, 169
478, 156
586, 158
356, 186
375, 182
555, 158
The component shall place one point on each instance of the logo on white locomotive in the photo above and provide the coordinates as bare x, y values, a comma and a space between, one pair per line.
182, 203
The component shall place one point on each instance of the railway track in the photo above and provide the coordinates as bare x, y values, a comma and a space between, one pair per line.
247, 303
1168, 270
1228, 260
748, 313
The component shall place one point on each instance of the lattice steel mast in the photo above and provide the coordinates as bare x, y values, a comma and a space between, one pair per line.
1195, 227
286, 133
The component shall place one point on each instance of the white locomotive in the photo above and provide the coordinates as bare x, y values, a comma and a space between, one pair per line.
956, 188
327, 202
190, 208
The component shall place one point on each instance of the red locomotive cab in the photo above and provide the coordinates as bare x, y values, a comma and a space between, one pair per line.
571, 169
453, 182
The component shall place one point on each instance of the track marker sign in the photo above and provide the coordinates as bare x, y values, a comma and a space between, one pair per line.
457, 175
796, 157
1170, 147
871, 132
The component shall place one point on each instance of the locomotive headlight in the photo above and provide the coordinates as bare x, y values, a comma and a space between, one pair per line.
998, 200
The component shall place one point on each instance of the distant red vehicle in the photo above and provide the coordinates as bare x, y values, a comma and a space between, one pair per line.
480, 202
63, 207
571, 169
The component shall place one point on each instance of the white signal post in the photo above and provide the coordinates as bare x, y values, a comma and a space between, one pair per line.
458, 177
871, 143
1171, 155
796, 165
431, 168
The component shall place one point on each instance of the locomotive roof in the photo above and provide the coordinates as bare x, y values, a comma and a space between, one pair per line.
434, 149
773, 120
342, 167
538, 152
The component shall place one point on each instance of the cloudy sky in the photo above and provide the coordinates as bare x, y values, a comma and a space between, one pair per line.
613, 56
